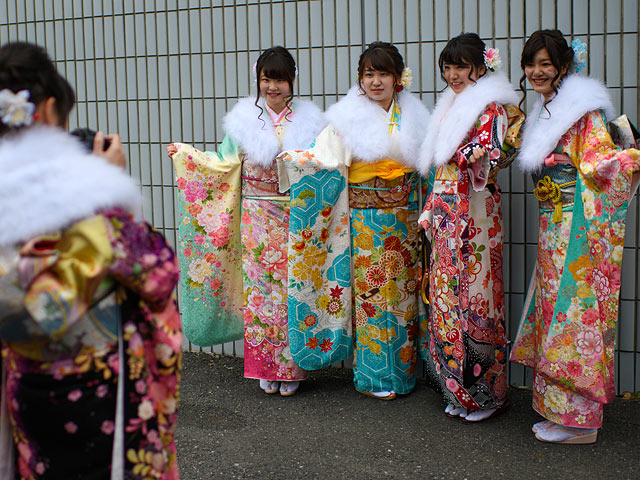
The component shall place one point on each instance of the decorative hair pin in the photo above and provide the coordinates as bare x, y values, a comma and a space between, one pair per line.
492, 59
405, 79
579, 56
15, 108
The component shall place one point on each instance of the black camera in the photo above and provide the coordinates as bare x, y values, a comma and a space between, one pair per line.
86, 136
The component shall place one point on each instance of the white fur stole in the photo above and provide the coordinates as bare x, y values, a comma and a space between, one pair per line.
258, 140
455, 114
49, 181
542, 130
358, 121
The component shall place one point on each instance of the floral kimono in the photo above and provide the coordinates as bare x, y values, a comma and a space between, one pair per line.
234, 234
374, 151
464, 338
567, 331
91, 337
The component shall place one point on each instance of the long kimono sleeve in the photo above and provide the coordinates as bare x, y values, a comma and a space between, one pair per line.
489, 132
209, 247
143, 261
597, 158
319, 256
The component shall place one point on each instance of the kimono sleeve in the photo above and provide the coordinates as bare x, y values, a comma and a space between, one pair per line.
489, 132
597, 158
143, 261
209, 245
319, 255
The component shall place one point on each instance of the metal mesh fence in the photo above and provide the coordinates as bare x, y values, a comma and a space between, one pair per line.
162, 71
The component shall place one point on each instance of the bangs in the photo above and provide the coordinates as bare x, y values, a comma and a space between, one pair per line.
378, 59
453, 55
276, 68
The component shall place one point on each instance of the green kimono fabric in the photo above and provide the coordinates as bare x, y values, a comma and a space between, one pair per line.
209, 245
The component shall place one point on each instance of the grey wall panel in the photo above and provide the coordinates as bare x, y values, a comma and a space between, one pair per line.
157, 71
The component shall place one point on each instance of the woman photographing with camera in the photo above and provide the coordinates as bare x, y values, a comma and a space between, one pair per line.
90, 335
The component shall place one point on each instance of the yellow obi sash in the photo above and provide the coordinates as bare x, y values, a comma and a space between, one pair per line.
386, 169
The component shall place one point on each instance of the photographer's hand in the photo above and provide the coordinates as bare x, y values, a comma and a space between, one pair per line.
114, 154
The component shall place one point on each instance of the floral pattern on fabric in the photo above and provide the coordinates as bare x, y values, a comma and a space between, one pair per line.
386, 276
465, 334
209, 247
567, 332
320, 306
63, 409
265, 230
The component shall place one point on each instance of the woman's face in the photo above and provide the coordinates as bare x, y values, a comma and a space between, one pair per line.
459, 77
275, 91
540, 73
379, 86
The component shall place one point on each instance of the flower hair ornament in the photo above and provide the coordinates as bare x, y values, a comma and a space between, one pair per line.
579, 56
492, 59
405, 80
15, 108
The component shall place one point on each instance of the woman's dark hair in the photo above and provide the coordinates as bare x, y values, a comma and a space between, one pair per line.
381, 56
276, 63
466, 49
560, 53
25, 66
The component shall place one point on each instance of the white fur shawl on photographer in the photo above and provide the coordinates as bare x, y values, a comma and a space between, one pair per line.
49, 181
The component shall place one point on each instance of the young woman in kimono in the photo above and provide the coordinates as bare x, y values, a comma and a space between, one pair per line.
462, 219
90, 334
582, 181
216, 224
373, 139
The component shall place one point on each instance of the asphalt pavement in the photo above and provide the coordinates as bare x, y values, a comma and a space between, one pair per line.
229, 429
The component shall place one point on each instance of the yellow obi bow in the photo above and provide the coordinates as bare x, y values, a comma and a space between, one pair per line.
360, 172
547, 189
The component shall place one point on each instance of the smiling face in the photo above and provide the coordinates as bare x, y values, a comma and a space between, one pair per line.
459, 77
541, 72
379, 86
275, 91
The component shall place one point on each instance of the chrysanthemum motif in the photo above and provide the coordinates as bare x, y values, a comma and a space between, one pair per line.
375, 276
393, 263
334, 306
361, 317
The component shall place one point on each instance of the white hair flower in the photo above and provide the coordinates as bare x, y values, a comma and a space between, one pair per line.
15, 108
492, 59
406, 79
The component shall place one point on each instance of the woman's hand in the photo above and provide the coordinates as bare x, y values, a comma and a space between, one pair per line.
477, 154
171, 150
554, 159
114, 154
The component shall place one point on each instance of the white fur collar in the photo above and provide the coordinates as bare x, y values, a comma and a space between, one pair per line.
455, 114
48, 182
358, 121
258, 140
576, 96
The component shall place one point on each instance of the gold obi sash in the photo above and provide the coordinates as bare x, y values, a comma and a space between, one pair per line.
384, 184
553, 195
